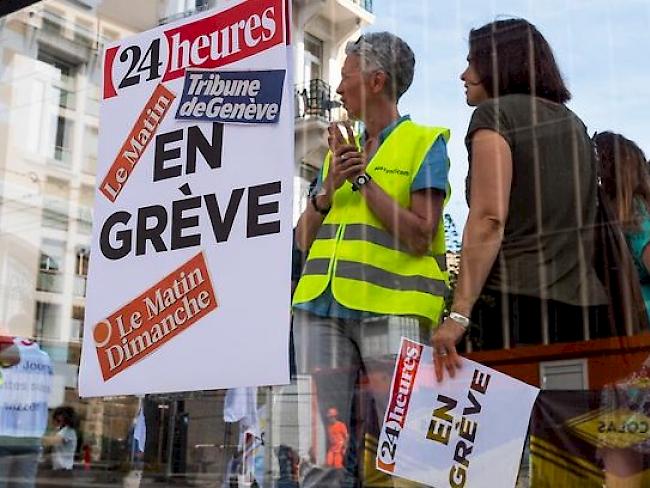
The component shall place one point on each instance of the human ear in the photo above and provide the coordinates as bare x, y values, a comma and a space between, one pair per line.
378, 81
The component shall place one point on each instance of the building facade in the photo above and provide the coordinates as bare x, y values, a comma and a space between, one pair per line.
50, 77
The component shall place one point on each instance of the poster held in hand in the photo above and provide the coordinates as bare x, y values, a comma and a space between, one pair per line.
464, 432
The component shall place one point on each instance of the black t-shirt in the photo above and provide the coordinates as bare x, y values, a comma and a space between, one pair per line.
547, 248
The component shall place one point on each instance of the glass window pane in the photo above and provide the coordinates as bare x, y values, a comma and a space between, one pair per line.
322, 429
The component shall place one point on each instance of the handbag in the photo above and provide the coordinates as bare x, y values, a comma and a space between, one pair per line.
616, 270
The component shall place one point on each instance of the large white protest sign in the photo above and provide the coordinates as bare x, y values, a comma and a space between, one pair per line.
189, 279
465, 432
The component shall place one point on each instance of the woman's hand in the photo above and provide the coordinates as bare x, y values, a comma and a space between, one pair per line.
346, 163
335, 137
443, 341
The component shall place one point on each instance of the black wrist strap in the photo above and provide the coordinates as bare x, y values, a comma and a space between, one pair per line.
322, 211
356, 187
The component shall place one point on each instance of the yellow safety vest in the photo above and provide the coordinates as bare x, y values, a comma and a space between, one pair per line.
368, 268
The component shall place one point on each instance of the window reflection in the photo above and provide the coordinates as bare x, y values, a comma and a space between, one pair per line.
50, 92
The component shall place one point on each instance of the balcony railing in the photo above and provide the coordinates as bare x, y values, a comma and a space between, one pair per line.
314, 100
79, 286
55, 214
62, 157
84, 220
50, 281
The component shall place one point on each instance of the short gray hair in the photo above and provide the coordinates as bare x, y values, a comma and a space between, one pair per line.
386, 52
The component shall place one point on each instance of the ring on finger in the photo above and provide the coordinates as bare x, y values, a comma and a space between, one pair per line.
442, 352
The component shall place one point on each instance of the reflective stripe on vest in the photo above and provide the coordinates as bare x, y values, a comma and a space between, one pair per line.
368, 233
377, 276
367, 267
327, 231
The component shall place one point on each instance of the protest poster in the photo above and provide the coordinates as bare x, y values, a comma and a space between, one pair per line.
189, 278
464, 432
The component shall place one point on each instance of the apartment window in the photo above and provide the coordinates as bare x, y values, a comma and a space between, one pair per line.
48, 319
82, 256
50, 276
77, 322
175, 9
52, 254
81, 261
55, 204
66, 78
55, 214
50, 263
64, 83
313, 67
89, 164
84, 219
313, 97
62, 141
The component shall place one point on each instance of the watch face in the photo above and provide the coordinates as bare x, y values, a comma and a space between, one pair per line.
361, 180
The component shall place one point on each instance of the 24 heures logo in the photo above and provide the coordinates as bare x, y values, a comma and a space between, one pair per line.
237, 33
401, 390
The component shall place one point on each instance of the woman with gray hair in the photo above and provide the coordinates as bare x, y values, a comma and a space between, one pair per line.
385, 52
374, 232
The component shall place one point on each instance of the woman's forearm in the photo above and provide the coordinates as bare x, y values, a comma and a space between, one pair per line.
491, 176
482, 240
414, 227
307, 227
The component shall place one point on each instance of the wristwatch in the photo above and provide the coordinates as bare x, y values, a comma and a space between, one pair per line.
322, 211
360, 180
460, 319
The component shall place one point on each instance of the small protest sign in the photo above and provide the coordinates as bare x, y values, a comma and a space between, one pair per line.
464, 432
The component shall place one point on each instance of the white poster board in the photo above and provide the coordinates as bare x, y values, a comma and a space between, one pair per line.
189, 280
464, 432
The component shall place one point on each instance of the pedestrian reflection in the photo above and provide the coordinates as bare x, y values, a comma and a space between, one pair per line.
26, 384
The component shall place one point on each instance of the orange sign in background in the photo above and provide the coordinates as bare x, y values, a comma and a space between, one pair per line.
169, 307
